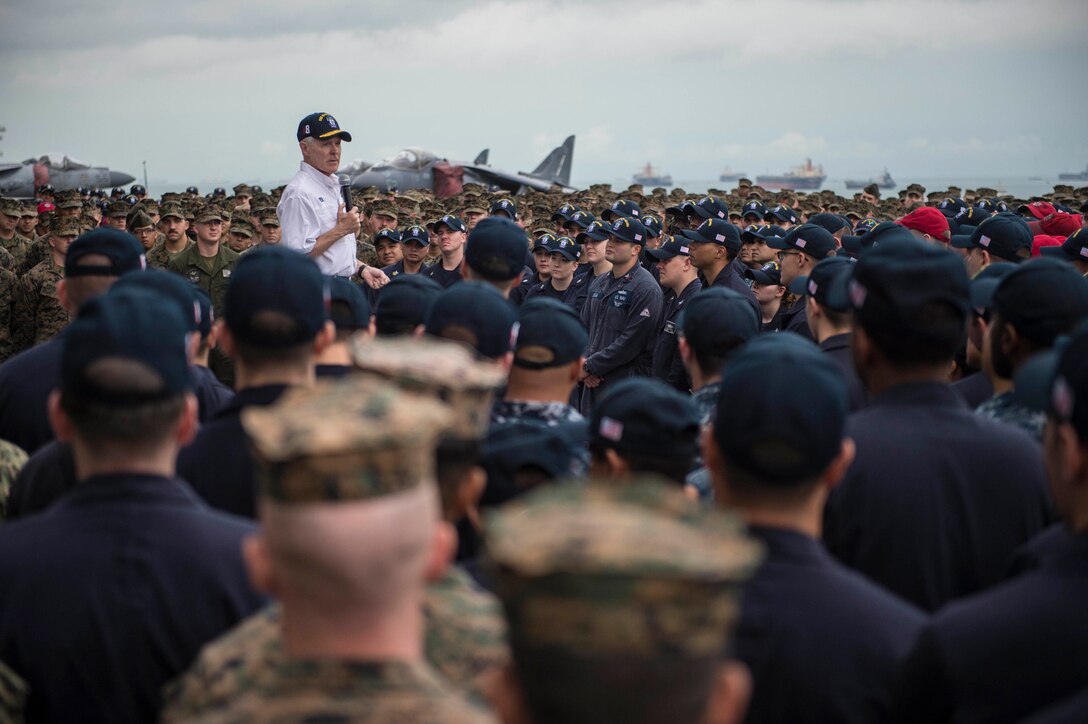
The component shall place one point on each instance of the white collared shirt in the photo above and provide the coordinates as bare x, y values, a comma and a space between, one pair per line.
307, 209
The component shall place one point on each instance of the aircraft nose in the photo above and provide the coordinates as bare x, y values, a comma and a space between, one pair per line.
120, 179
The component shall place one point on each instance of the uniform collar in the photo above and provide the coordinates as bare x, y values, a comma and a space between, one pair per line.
326, 179
919, 394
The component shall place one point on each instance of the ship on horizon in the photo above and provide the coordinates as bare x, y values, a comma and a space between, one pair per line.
729, 174
803, 177
649, 177
885, 182
1075, 176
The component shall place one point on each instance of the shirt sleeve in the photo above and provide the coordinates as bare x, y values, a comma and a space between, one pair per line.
298, 224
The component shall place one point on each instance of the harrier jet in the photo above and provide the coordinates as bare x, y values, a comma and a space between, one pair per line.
21, 180
415, 168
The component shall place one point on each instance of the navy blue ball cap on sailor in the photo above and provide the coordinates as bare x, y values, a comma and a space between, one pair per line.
622, 208
1042, 299
543, 241
1006, 236
816, 241
715, 231
134, 325
415, 234
887, 231
565, 247
672, 246
718, 318
1056, 381
831, 222
757, 233
272, 279
565, 212
788, 430
628, 229
550, 334
893, 281
653, 225
171, 286
768, 274
517, 445
1074, 248
504, 207
952, 207
403, 303
391, 234
122, 251
781, 213
864, 226
320, 125
753, 208
984, 284
496, 249
581, 219
452, 222
828, 283
709, 207
642, 414
596, 231
475, 314
349, 308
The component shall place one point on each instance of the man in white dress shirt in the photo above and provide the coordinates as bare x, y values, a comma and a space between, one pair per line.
313, 218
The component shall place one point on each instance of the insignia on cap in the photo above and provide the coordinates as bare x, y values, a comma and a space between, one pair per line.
1062, 398
984, 241
812, 287
801, 243
683, 250
858, 293
611, 429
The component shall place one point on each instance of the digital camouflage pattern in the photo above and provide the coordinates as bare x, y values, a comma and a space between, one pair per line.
12, 696
336, 691
35, 252
603, 570
159, 257
1005, 408
464, 637
8, 284
438, 368
12, 460
36, 313
7, 261
350, 438
365, 251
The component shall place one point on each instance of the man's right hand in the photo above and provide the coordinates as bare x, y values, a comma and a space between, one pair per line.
347, 222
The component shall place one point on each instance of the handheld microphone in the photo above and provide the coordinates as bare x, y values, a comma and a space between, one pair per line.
345, 190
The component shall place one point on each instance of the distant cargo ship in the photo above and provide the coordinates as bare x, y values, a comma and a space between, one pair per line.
1079, 176
806, 176
729, 174
649, 177
885, 182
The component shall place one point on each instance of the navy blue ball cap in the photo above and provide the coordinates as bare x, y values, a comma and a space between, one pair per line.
952, 207
831, 222
581, 219
753, 208
122, 251
709, 207
321, 125
653, 226
789, 428
671, 247
415, 234
205, 311
169, 285
402, 304
894, 280
543, 242
550, 334
349, 308
505, 207
984, 284
761, 233
628, 229
451, 222
887, 231
718, 319
781, 213
391, 234
565, 247
496, 249
1074, 248
1006, 236
1056, 381
828, 283
715, 231
643, 415
475, 314
280, 281
816, 241
565, 212
622, 208
768, 274
514, 446
864, 226
596, 231
1042, 299
135, 325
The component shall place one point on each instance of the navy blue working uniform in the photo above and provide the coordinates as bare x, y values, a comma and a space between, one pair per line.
111, 593
25, 383
938, 498
218, 463
1006, 653
975, 388
574, 296
667, 365
822, 643
838, 348
622, 315
445, 277
730, 279
795, 319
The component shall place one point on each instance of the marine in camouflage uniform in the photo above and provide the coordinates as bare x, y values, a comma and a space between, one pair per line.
605, 587
36, 313
160, 255
16, 245
338, 445
12, 460
212, 274
8, 283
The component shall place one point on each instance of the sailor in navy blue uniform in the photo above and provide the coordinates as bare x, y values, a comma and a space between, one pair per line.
822, 643
938, 498
622, 314
1022, 648
679, 279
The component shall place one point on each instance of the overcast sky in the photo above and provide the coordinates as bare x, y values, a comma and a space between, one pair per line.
209, 90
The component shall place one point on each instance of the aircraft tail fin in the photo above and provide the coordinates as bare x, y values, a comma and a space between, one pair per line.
556, 165
481, 157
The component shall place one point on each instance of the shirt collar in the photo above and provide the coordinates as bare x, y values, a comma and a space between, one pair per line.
317, 175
